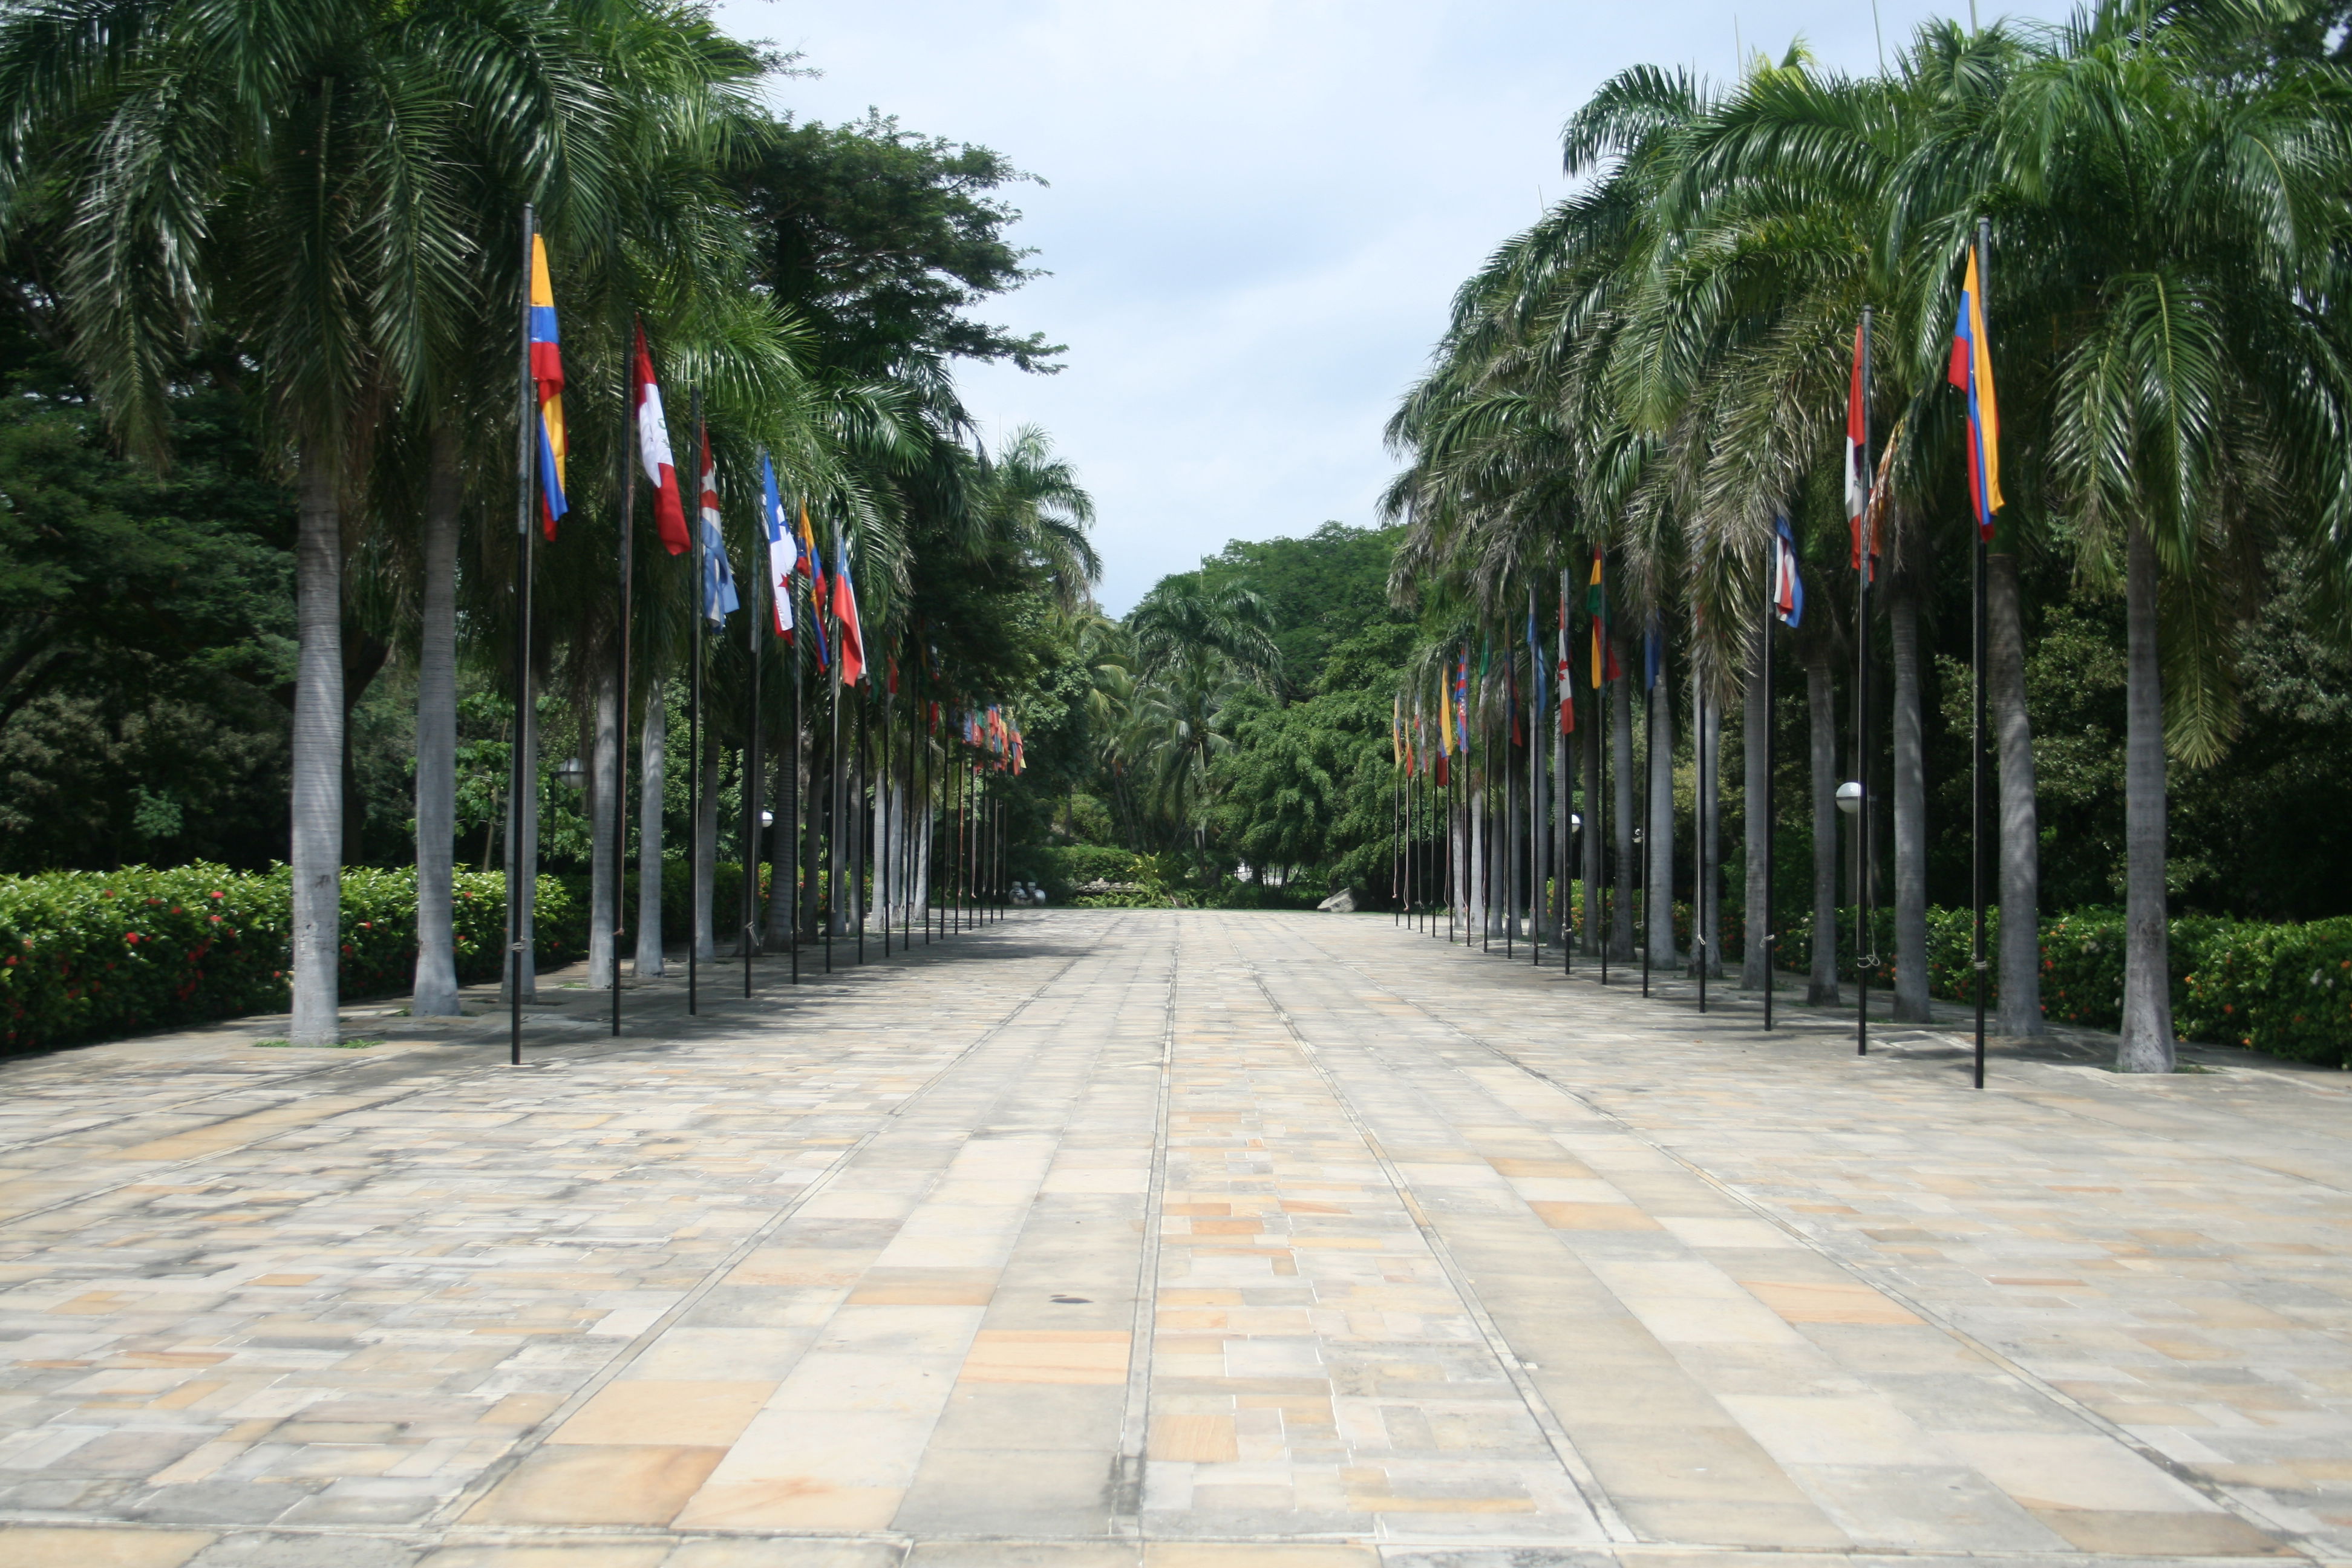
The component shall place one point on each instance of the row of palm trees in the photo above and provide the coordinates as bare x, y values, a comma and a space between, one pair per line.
318, 201
1659, 368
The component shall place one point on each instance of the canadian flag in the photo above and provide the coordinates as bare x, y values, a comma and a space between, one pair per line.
653, 447
1857, 456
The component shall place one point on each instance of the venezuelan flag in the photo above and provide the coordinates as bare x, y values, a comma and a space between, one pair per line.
1972, 372
547, 378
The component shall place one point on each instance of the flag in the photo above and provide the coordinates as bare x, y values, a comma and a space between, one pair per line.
1596, 607
719, 598
653, 450
1857, 454
1972, 372
1444, 719
1787, 585
1396, 731
811, 565
845, 611
784, 550
891, 665
547, 378
1654, 652
1462, 703
1567, 680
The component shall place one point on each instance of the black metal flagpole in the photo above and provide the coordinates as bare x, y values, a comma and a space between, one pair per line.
699, 915
1865, 959
518, 783
1770, 936
621, 766
1642, 828
799, 805
755, 766
1976, 737
1702, 877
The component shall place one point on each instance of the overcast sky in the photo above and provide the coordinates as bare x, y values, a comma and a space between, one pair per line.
1257, 210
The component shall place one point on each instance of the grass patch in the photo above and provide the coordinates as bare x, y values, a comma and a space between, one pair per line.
329, 1046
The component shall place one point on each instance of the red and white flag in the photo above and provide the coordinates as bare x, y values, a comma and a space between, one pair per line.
653, 448
1857, 454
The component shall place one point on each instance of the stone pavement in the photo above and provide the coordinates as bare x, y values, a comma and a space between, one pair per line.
1162, 1239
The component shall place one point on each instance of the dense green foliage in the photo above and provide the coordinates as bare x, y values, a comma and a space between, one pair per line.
88, 954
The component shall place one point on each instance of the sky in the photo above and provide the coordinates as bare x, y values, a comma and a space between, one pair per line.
1256, 211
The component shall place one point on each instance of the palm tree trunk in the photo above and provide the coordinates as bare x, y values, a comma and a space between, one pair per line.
1756, 790
1707, 891
1910, 807
604, 802
1820, 703
1555, 820
2020, 828
2147, 1042
1621, 812
706, 853
654, 757
1594, 737
436, 986
1660, 831
317, 748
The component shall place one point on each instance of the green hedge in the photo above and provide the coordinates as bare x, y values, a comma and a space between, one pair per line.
85, 954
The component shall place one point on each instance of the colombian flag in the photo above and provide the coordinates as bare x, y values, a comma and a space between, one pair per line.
547, 379
1972, 372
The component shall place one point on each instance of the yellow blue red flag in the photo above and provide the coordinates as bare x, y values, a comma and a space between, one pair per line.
1972, 372
547, 380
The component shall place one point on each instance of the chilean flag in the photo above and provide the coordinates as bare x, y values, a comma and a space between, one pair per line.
845, 611
547, 380
784, 550
653, 449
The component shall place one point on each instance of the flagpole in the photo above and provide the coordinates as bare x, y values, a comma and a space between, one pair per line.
1701, 876
1864, 960
518, 784
832, 805
755, 766
857, 883
1976, 737
1601, 802
697, 916
1647, 868
1770, 936
800, 803
621, 769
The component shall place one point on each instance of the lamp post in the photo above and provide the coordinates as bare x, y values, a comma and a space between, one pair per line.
573, 773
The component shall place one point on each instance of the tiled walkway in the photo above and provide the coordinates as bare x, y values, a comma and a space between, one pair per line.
1167, 1239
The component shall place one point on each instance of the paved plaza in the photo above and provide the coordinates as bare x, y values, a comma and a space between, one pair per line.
1170, 1239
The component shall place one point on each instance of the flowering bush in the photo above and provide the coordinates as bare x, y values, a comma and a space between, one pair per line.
85, 954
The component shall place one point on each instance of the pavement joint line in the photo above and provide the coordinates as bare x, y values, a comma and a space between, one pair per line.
2298, 1539
265, 1085
1579, 1472
530, 1441
1135, 1420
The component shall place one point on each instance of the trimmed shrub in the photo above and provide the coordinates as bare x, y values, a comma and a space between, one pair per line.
88, 954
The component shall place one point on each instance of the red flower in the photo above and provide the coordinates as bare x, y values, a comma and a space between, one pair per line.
215, 919
130, 936
347, 950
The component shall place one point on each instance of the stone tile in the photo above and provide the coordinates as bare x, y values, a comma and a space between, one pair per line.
40, 1546
594, 1484
705, 1415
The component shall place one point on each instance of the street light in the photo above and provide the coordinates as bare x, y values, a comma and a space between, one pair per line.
767, 819
573, 773
1849, 798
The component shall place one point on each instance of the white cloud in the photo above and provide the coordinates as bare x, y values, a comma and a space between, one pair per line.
1258, 209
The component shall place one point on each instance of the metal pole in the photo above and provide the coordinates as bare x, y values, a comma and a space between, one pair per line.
857, 873
1769, 935
1601, 816
800, 805
621, 767
833, 808
755, 767
1642, 830
1976, 739
698, 916
518, 784
1702, 875
1865, 959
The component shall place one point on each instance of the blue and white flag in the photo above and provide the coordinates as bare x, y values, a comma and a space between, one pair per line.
783, 549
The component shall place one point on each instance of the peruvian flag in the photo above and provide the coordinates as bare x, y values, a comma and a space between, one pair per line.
653, 447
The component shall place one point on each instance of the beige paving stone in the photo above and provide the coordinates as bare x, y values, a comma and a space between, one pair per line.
594, 1484
1454, 1262
698, 1414
39, 1546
